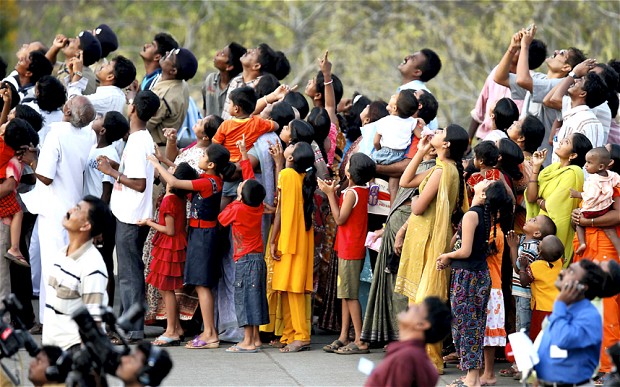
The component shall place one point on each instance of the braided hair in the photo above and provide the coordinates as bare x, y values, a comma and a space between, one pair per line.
303, 162
459, 140
498, 208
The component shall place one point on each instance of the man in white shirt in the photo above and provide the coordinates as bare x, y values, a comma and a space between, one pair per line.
60, 173
113, 76
132, 201
417, 69
78, 277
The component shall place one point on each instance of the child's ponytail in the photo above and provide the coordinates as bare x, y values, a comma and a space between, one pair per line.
459, 141
498, 208
183, 171
303, 162
220, 156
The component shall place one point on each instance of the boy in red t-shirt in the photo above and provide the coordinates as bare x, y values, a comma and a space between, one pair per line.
351, 216
246, 214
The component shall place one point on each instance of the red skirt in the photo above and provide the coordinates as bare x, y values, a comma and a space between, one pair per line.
536, 324
166, 270
9, 205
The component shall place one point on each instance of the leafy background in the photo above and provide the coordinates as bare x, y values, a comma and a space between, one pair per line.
366, 39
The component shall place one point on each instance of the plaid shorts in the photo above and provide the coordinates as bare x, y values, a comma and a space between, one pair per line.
9, 205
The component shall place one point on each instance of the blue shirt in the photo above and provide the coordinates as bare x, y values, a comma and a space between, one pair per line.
577, 329
150, 79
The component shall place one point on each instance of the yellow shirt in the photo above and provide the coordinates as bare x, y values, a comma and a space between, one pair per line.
544, 291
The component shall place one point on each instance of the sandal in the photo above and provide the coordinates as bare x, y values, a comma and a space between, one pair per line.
457, 383
451, 358
18, 260
352, 349
276, 344
334, 346
602, 379
200, 344
508, 372
290, 348
163, 341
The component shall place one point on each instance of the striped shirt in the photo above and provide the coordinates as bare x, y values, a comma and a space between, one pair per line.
76, 280
527, 249
579, 119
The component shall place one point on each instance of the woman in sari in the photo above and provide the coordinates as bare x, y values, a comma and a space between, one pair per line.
600, 248
428, 232
548, 191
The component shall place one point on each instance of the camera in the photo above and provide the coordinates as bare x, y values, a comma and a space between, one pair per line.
14, 338
98, 356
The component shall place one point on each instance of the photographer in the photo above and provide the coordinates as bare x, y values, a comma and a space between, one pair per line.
38, 366
147, 365
79, 275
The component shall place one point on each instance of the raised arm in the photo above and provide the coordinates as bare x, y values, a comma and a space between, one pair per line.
169, 177
502, 73
553, 99
524, 78
410, 179
330, 96
59, 42
532, 185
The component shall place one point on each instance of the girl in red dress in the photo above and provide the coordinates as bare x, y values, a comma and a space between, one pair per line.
169, 242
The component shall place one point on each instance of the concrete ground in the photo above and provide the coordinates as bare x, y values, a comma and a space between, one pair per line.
269, 367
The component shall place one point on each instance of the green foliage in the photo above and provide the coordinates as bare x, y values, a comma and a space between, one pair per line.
367, 39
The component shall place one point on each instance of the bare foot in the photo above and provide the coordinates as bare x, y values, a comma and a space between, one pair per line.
581, 249
243, 345
490, 381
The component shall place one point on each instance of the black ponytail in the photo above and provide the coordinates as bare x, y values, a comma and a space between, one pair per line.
220, 156
459, 141
499, 206
303, 162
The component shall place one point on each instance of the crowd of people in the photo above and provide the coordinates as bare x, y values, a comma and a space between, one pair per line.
262, 216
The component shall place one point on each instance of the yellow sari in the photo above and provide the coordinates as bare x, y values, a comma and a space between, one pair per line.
554, 184
428, 236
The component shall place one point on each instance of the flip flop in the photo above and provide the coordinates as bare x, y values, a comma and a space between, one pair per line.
351, 349
21, 261
200, 344
276, 344
290, 348
237, 349
457, 383
166, 342
334, 346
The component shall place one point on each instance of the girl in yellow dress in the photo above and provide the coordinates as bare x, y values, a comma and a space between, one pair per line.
292, 243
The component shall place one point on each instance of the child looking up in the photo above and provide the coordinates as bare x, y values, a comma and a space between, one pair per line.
486, 156
292, 241
470, 280
166, 270
351, 216
394, 133
406, 362
15, 134
597, 195
541, 275
109, 128
202, 266
243, 103
246, 214
503, 115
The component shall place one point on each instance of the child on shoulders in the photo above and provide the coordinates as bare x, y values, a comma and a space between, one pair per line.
246, 214
541, 275
597, 195
351, 216
394, 132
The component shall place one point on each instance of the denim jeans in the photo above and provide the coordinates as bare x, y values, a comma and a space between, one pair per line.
523, 313
130, 240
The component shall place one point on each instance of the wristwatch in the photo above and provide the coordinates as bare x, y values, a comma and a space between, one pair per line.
572, 74
78, 73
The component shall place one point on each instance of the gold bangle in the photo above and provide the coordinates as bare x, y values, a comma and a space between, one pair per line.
118, 179
592, 222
